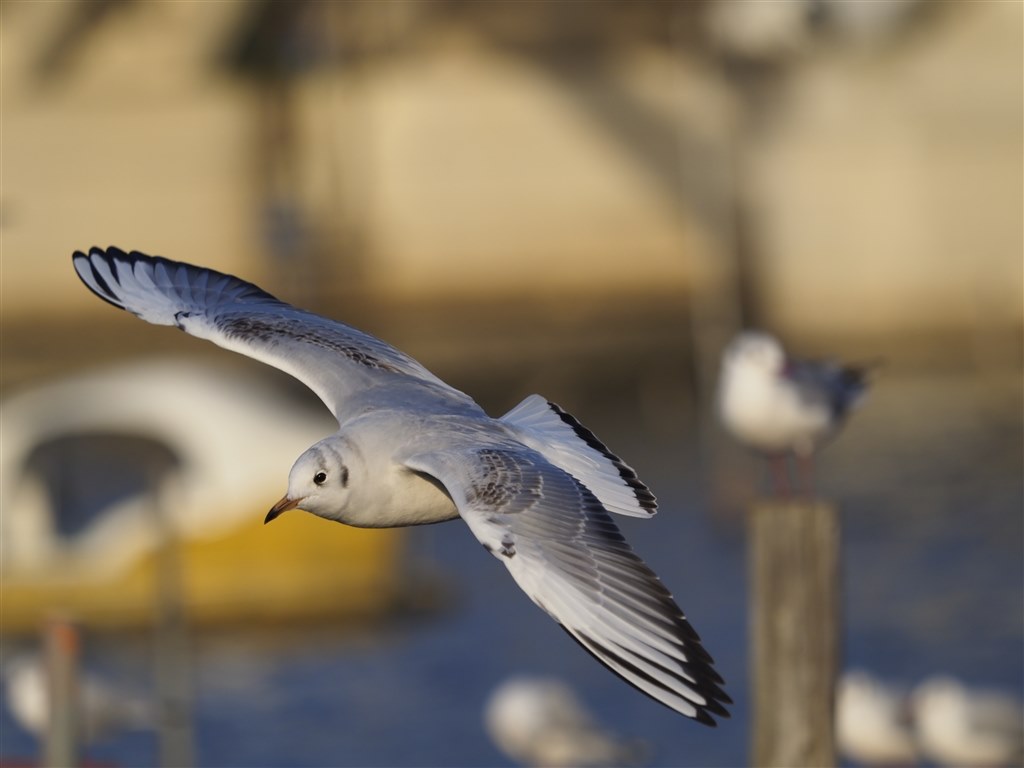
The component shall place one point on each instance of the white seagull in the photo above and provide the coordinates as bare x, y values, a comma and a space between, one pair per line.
873, 721
960, 726
540, 721
778, 405
101, 708
534, 486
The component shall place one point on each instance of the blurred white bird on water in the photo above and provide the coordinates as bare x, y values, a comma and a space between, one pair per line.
959, 726
102, 708
781, 406
873, 721
540, 721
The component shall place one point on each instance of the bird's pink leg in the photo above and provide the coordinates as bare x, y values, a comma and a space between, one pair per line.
780, 475
805, 464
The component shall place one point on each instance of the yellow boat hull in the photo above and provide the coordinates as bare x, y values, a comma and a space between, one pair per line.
300, 566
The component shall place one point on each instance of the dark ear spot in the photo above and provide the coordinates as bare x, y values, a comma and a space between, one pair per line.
344, 477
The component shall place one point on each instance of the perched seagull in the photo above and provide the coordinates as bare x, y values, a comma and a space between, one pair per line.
873, 721
534, 486
539, 721
778, 405
959, 726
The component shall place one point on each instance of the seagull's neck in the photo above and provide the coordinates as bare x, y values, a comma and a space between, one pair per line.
385, 493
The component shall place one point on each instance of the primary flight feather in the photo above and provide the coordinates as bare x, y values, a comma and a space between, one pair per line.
534, 486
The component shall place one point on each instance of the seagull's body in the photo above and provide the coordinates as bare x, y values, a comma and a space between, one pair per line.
956, 725
534, 486
540, 721
101, 707
873, 723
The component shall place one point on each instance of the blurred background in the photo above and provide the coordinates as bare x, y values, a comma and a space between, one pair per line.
581, 199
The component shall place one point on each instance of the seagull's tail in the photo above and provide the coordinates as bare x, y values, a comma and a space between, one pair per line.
855, 380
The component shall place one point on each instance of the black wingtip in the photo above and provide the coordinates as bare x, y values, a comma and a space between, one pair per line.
112, 252
91, 278
704, 718
111, 255
715, 698
644, 497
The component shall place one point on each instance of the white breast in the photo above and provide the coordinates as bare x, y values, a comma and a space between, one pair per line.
764, 413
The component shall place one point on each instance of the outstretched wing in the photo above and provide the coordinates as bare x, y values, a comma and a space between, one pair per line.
331, 358
564, 551
561, 439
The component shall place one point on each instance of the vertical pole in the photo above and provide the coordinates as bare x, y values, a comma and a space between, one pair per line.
794, 555
173, 659
62, 732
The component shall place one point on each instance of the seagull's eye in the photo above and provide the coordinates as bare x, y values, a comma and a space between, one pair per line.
320, 478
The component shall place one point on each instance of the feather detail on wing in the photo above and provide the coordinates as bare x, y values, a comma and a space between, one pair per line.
331, 358
566, 443
563, 549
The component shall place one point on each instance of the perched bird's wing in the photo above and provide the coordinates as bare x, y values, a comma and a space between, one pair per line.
836, 387
331, 358
564, 551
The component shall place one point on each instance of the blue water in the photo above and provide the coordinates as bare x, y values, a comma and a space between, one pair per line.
928, 479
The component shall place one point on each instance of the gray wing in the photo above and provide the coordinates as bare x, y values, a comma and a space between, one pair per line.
331, 358
563, 549
835, 387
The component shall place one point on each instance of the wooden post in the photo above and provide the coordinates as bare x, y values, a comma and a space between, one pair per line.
173, 658
794, 592
60, 749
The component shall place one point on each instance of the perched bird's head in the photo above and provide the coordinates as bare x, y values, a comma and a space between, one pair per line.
754, 350
318, 482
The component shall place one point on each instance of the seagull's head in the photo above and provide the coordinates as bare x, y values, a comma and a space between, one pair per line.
318, 482
754, 350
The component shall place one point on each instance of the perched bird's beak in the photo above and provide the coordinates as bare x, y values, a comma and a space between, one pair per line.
282, 506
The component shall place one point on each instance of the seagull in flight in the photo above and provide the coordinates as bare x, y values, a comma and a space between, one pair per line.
535, 487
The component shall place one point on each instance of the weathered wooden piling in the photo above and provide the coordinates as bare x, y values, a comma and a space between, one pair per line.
173, 649
795, 620
61, 743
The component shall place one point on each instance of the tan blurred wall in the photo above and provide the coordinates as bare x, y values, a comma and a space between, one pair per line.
890, 193
469, 171
886, 187
475, 174
135, 146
